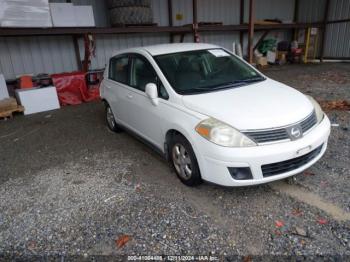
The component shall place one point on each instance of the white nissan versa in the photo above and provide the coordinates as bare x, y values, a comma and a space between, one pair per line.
215, 117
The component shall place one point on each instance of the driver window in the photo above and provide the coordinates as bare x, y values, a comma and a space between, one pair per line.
142, 73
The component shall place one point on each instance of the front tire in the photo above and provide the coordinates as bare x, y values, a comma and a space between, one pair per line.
110, 120
184, 161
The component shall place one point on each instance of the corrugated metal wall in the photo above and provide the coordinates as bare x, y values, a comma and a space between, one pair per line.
311, 10
271, 9
54, 54
337, 35
22, 55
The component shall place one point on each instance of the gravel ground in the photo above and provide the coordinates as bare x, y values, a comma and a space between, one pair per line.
326, 82
69, 187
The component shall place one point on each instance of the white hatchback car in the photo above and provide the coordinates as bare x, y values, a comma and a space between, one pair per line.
214, 116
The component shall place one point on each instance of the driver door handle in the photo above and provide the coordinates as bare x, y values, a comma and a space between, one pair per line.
129, 96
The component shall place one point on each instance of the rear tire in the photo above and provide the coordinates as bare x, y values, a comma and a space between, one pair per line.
131, 15
110, 120
123, 3
184, 161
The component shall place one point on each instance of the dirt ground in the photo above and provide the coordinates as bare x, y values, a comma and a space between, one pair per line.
70, 187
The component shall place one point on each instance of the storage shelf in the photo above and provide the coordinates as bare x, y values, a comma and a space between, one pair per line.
91, 30
147, 29
258, 27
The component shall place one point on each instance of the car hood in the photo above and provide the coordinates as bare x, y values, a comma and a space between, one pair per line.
263, 105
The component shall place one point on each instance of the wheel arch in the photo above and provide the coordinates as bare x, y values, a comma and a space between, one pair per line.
173, 132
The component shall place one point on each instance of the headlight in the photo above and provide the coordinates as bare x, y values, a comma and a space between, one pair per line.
222, 134
318, 109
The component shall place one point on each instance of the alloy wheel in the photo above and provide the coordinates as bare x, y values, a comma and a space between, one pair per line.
182, 161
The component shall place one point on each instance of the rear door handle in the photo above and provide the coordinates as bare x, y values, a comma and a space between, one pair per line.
129, 96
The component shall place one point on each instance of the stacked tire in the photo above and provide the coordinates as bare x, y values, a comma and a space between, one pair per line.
130, 12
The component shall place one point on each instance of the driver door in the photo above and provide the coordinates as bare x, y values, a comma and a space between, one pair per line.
144, 118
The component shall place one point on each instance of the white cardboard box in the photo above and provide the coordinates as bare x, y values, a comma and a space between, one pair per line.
62, 14
28, 13
37, 100
3, 88
84, 16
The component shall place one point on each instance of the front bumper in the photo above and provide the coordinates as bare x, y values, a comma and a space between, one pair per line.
214, 160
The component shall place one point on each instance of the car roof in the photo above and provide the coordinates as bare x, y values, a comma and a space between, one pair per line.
170, 48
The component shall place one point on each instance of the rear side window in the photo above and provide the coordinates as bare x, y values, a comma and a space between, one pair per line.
119, 69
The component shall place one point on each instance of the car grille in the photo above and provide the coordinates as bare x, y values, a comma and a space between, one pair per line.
266, 136
309, 122
289, 165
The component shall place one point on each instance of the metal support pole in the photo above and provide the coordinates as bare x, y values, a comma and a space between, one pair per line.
195, 22
77, 52
170, 17
325, 20
241, 21
251, 31
295, 19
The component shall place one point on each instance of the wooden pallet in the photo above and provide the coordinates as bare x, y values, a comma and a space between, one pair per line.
9, 113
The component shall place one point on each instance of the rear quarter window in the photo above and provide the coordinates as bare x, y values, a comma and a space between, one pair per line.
119, 69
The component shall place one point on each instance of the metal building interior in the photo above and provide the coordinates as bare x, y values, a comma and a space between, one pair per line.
61, 49
71, 189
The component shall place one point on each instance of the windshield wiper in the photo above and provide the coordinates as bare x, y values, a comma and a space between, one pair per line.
235, 83
251, 80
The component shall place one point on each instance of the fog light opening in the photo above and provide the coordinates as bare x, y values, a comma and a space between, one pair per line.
240, 173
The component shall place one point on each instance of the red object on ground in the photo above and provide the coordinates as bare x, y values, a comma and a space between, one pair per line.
26, 82
279, 223
72, 88
322, 221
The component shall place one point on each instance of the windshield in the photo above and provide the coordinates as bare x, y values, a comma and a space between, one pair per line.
205, 71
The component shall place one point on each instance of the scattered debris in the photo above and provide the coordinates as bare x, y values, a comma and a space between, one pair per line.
247, 259
106, 200
138, 188
300, 231
308, 173
335, 125
341, 105
279, 223
31, 245
122, 240
322, 221
297, 212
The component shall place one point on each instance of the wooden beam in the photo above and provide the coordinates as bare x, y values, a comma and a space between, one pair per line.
241, 21
257, 27
92, 30
296, 18
325, 19
10, 32
338, 21
251, 31
86, 62
195, 21
77, 52
170, 18
261, 39
296, 11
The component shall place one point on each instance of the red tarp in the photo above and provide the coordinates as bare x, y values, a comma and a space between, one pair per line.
72, 88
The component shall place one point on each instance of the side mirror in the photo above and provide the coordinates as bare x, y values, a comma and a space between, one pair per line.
152, 93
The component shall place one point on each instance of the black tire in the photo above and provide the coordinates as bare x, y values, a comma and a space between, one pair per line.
131, 15
110, 120
123, 3
194, 178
